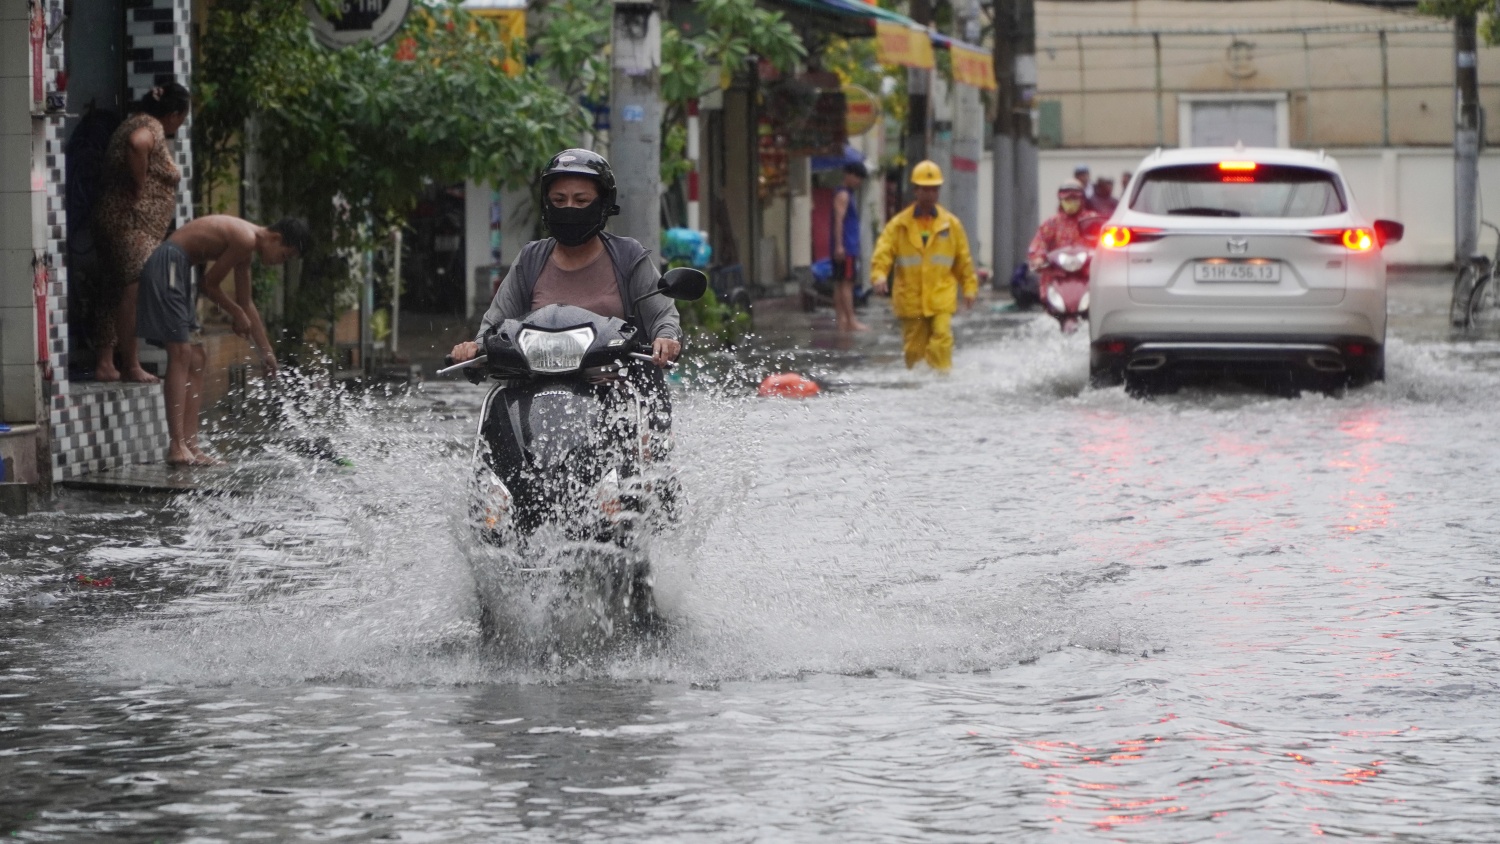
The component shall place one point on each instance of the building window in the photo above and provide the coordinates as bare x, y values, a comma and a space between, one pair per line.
1049, 128
1223, 120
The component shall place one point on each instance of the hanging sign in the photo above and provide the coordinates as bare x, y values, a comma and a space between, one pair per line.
354, 21
898, 44
973, 67
512, 26
806, 117
862, 110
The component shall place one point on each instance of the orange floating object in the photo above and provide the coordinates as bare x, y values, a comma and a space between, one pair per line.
788, 385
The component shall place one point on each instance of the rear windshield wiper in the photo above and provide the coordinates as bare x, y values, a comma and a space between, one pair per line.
1204, 212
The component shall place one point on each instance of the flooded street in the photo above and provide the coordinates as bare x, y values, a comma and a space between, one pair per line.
994, 606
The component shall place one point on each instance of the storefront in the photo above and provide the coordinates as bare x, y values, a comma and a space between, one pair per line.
70, 67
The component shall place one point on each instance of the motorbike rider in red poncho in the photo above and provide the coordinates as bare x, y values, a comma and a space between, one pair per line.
1065, 228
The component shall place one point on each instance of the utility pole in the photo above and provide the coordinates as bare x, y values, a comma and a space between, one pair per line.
966, 147
1015, 175
635, 113
1466, 139
918, 101
1025, 136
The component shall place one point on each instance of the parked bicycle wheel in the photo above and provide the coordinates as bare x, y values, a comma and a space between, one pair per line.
1484, 307
1464, 285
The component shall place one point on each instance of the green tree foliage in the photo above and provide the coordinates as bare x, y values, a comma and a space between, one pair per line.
347, 138
853, 59
1489, 23
573, 46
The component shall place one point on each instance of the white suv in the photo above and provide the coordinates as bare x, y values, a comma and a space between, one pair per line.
1238, 259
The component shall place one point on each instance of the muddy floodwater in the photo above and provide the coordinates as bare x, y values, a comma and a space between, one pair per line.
998, 606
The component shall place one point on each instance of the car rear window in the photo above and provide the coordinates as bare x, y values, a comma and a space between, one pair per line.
1238, 189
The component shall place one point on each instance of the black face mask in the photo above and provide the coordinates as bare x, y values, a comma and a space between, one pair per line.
574, 226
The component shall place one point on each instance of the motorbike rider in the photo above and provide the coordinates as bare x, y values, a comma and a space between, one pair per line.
1065, 228
1103, 202
584, 266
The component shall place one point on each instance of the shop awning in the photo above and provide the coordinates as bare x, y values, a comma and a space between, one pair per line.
826, 16
971, 65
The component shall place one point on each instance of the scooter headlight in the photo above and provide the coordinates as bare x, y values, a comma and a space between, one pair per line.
1083, 304
1055, 300
1072, 261
555, 351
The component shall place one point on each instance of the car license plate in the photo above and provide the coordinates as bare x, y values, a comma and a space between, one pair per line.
1255, 272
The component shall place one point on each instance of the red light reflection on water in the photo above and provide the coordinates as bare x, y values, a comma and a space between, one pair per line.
1364, 467
1066, 764
1093, 786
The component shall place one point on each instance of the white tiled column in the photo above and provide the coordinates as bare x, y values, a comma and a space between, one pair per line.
22, 205
164, 27
98, 426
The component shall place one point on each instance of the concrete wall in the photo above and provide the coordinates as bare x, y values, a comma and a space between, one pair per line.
22, 210
478, 201
1097, 61
516, 224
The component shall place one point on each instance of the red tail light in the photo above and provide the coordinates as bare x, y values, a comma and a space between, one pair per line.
1237, 166
1355, 240
1119, 237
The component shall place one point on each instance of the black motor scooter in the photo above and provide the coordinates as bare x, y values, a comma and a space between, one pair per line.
569, 471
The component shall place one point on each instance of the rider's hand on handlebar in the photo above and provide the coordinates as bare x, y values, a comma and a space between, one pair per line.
664, 350
464, 351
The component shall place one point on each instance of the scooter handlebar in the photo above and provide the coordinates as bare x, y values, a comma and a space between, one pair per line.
649, 359
450, 366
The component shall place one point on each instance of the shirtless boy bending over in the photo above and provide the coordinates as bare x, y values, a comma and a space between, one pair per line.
168, 304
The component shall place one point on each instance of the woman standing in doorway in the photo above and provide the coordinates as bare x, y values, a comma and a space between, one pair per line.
133, 216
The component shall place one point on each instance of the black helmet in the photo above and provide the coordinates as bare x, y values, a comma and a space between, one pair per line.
582, 162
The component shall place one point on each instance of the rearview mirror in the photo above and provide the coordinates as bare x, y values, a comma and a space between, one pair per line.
1389, 231
683, 283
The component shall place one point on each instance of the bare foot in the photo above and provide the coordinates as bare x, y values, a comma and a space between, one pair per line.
106, 373
859, 326
180, 455
202, 458
140, 376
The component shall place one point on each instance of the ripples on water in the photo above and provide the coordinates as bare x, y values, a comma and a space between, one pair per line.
915, 609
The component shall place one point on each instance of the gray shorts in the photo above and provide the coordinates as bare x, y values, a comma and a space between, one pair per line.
167, 306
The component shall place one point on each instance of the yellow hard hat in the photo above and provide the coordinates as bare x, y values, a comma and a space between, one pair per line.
927, 174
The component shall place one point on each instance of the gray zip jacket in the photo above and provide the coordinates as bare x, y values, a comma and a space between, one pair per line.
634, 272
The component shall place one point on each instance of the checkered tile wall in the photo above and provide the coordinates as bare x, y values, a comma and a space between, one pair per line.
161, 51
97, 426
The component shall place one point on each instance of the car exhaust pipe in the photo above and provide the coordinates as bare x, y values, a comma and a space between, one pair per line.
1146, 363
1326, 364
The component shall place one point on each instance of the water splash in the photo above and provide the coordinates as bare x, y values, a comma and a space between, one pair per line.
847, 534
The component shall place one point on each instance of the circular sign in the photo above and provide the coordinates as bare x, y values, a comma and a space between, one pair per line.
355, 21
861, 110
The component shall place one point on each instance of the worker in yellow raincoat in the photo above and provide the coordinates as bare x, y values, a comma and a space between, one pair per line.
930, 251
